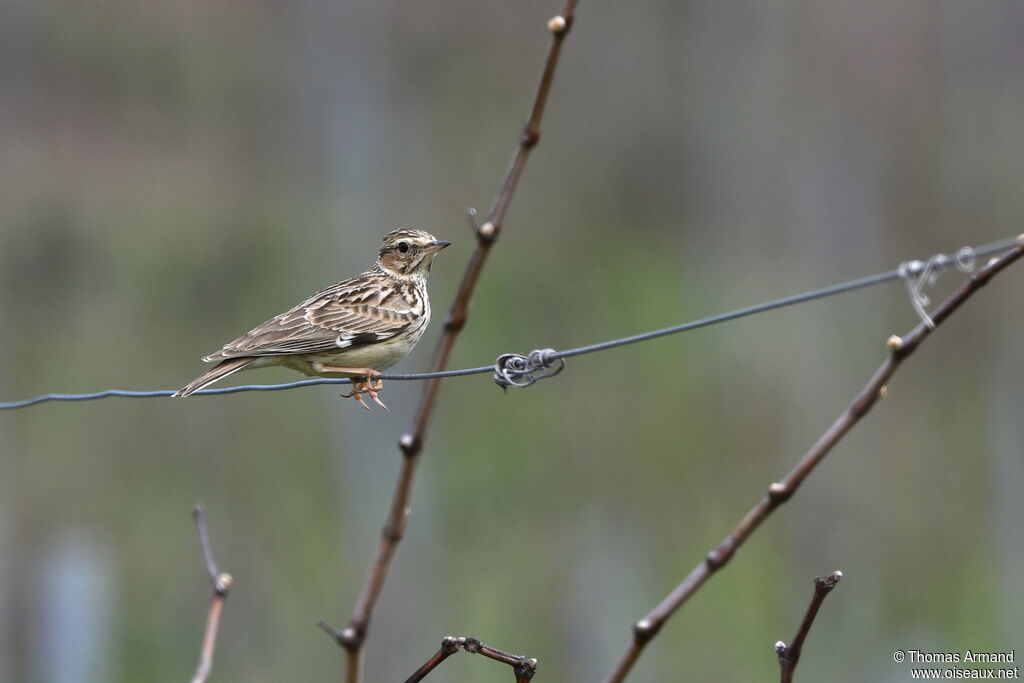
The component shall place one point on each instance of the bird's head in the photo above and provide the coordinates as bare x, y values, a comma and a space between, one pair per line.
407, 253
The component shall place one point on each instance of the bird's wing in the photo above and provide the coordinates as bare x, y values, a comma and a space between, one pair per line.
361, 310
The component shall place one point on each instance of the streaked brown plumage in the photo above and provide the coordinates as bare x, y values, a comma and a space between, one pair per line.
354, 328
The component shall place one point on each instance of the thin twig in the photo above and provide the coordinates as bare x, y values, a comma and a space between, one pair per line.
524, 667
789, 655
778, 493
352, 637
221, 583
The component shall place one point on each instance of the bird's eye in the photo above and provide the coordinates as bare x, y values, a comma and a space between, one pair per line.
403, 247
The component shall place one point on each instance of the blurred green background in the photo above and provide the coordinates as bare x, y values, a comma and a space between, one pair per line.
173, 173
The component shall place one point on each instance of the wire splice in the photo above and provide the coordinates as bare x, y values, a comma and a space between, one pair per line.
517, 370
917, 276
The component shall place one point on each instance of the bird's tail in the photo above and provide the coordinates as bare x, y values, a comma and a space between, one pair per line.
221, 370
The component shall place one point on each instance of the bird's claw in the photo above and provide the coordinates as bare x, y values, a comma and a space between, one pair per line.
373, 395
358, 396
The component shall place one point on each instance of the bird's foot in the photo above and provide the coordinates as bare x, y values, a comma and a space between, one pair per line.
364, 381
367, 384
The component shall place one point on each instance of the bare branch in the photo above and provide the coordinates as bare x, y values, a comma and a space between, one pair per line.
524, 668
778, 493
449, 646
221, 583
351, 638
789, 655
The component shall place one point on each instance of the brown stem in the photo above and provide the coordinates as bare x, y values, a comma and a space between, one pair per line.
523, 667
352, 637
221, 583
789, 655
778, 493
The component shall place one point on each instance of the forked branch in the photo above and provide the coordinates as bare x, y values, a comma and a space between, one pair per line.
778, 493
352, 637
789, 655
221, 583
523, 667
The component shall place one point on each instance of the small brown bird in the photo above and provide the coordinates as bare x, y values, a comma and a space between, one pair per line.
354, 328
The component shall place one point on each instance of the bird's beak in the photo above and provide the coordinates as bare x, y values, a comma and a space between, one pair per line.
435, 246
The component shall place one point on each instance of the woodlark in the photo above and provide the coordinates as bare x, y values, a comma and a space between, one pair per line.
354, 328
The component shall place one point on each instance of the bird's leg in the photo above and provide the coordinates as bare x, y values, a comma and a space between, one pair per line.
367, 383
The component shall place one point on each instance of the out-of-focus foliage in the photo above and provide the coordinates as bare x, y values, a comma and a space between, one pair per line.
174, 172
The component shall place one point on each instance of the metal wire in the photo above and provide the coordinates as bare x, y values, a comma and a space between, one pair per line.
908, 269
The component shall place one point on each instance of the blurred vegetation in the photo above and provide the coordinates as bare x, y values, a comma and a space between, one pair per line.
172, 173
